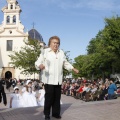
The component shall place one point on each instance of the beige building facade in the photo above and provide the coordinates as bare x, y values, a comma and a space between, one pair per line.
12, 38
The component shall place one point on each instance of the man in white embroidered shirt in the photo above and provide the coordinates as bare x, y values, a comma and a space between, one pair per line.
51, 62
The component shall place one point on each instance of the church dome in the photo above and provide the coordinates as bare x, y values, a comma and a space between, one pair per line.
34, 34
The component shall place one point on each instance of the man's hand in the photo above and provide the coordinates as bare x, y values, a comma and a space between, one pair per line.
42, 67
75, 70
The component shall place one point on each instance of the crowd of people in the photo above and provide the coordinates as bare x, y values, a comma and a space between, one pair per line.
29, 94
88, 90
32, 94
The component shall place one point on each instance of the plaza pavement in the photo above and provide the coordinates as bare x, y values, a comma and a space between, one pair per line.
71, 109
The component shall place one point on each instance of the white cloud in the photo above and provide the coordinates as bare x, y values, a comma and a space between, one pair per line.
77, 4
102, 4
90, 4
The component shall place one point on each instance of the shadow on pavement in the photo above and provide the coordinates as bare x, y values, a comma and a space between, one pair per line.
64, 107
29, 113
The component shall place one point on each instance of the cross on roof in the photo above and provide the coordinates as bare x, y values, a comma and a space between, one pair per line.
33, 25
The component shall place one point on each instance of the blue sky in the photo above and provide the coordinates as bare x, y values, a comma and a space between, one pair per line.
76, 22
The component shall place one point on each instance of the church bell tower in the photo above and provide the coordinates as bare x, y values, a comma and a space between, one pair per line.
12, 38
12, 16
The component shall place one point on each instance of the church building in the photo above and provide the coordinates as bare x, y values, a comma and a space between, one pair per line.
12, 38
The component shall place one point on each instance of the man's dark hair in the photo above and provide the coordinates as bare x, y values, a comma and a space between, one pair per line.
53, 37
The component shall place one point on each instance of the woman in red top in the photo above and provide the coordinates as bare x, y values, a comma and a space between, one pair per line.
79, 91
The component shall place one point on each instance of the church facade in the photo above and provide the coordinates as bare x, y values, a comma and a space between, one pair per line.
12, 38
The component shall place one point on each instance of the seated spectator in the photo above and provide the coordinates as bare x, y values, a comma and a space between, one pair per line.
96, 95
112, 90
67, 89
75, 89
72, 89
92, 92
107, 81
63, 87
79, 91
88, 92
104, 93
82, 96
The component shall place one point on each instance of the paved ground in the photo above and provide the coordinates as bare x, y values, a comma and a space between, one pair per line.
71, 109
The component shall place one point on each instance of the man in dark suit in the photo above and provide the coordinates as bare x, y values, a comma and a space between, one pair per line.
2, 94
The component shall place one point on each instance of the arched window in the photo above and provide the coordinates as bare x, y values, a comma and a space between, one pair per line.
14, 19
8, 19
11, 6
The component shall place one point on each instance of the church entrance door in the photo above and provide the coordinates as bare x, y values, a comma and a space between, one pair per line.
8, 75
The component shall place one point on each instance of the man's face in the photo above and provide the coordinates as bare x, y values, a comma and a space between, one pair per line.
111, 81
54, 45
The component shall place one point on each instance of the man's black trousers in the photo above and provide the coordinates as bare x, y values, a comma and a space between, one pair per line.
52, 99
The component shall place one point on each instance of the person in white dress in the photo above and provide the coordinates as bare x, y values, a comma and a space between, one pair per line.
41, 98
16, 100
28, 96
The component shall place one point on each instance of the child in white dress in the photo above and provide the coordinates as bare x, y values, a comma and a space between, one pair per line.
41, 98
28, 97
16, 100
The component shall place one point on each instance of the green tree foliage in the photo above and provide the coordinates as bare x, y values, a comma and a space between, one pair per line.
26, 57
111, 35
103, 51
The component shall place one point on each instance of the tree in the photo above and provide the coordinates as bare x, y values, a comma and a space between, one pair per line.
66, 72
111, 35
26, 57
103, 51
